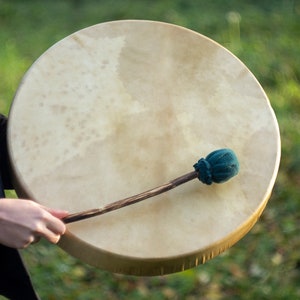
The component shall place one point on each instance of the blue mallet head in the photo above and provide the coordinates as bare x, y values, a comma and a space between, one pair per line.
218, 166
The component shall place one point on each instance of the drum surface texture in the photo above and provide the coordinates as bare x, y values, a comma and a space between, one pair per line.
121, 107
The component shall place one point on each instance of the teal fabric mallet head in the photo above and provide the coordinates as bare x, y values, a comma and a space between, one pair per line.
218, 166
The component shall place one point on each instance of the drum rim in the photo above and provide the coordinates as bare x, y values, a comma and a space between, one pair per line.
159, 266
129, 265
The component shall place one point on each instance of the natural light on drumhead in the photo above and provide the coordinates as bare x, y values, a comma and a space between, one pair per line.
121, 107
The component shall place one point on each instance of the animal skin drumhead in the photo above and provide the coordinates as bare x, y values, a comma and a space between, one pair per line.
122, 107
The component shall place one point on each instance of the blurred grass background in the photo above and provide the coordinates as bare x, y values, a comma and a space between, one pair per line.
265, 36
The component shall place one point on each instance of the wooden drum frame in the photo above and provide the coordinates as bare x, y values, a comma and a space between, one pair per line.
120, 107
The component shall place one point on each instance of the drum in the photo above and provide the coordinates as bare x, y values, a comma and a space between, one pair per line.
121, 107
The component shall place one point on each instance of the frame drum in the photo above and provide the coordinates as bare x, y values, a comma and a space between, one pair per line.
121, 107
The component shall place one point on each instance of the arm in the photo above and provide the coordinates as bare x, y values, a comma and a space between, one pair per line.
23, 222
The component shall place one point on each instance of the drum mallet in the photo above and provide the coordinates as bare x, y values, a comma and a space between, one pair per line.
218, 166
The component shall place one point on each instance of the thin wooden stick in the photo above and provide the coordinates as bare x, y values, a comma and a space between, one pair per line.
219, 166
131, 200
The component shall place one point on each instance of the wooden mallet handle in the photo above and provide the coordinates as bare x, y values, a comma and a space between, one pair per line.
219, 166
130, 200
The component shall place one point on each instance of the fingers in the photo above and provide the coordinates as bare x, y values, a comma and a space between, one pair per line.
49, 225
53, 229
35, 237
36, 240
56, 212
25, 222
50, 236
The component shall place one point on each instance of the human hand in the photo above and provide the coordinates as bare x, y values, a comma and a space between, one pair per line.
23, 222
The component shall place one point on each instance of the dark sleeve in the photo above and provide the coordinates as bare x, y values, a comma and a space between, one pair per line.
15, 282
4, 160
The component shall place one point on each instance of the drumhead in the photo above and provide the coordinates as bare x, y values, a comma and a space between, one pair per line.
121, 107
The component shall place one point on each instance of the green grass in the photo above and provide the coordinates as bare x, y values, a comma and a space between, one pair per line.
265, 36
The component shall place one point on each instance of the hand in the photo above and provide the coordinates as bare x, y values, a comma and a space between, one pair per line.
23, 222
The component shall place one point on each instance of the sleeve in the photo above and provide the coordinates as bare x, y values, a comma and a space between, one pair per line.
4, 159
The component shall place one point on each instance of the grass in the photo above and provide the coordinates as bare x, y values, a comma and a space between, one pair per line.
265, 36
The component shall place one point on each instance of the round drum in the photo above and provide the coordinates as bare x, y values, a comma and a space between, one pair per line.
121, 107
